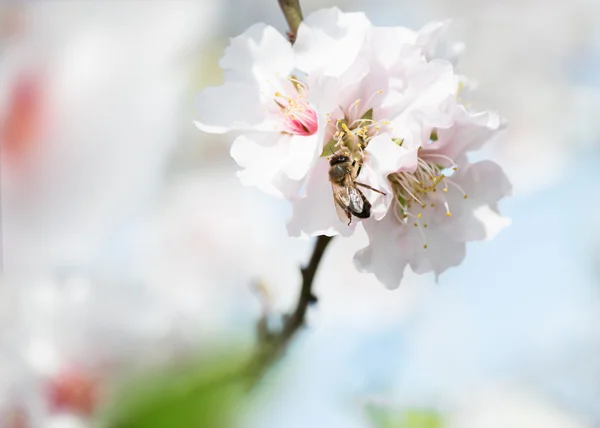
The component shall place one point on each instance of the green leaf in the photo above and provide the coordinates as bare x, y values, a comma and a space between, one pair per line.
382, 417
203, 394
398, 141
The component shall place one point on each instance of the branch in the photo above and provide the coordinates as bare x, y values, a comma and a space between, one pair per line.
273, 345
293, 15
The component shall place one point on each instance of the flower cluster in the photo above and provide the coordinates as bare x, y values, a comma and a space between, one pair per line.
356, 123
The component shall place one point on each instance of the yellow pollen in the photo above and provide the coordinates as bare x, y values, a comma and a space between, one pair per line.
345, 128
415, 224
455, 169
419, 215
357, 102
448, 214
424, 206
433, 205
425, 226
380, 91
445, 189
424, 246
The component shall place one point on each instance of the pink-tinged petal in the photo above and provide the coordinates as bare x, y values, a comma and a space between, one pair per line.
431, 40
393, 44
469, 132
475, 218
262, 159
261, 52
386, 256
421, 98
233, 105
485, 181
441, 254
315, 213
328, 41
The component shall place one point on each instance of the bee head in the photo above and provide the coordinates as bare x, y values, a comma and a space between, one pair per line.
338, 159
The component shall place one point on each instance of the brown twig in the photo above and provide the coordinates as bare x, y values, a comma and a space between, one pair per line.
273, 344
293, 15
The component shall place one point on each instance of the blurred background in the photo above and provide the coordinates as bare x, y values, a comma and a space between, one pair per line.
128, 245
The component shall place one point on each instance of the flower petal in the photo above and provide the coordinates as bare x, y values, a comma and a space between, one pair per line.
475, 218
469, 132
328, 41
385, 256
315, 213
383, 157
262, 159
261, 52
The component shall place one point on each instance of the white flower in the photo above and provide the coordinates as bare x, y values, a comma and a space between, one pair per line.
332, 85
444, 203
374, 103
386, 92
263, 97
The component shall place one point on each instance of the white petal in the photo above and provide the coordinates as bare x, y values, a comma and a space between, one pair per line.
261, 51
430, 38
422, 97
263, 159
329, 41
469, 132
486, 182
315, 213
383, 157
386, 157
302, 153
441, 254
391, 44
474, 218
385, 256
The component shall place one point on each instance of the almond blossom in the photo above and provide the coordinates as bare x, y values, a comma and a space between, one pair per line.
379, 97
263, 98
438, 207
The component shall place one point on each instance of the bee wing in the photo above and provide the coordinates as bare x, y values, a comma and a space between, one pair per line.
356, 200
341, 201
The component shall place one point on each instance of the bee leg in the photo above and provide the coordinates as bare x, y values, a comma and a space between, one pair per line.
349, 218
369, 187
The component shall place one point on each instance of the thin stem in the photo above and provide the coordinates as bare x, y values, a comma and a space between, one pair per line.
295, 321
273, 345
293, 15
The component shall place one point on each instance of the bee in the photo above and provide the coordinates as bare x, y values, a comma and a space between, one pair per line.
349, 200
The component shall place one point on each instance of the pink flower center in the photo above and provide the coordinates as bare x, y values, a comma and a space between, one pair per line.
299, 117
